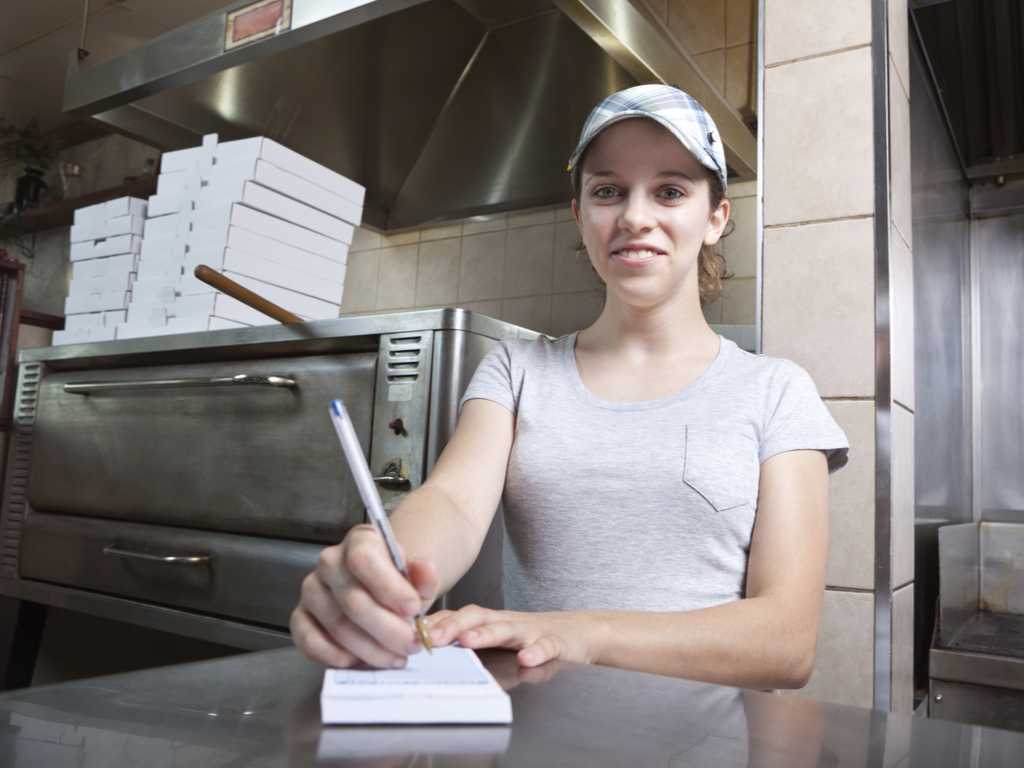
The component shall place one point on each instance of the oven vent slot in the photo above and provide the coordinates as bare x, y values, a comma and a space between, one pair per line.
16, 489
403, 359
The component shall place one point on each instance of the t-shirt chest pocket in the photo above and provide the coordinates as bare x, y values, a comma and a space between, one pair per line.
722, 466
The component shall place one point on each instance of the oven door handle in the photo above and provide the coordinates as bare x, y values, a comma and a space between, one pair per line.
114, 551
242, 379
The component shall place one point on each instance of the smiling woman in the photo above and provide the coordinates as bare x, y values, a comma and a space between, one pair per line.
665, 493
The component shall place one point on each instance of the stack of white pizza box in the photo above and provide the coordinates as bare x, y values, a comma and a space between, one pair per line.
106, 240
264, 216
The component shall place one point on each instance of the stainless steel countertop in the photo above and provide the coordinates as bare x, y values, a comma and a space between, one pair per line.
261, 709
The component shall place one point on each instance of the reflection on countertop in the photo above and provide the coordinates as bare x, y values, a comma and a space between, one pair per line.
262, 709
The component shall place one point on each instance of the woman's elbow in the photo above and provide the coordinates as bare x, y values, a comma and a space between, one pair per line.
796, 667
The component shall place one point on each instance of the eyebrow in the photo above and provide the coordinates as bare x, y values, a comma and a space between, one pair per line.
658, 175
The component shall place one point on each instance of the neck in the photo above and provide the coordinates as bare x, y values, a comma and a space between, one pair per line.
672, 329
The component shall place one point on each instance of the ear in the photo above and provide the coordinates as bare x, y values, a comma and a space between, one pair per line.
717, 221
576, 212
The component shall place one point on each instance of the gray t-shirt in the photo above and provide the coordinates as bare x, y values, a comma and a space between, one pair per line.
647, 505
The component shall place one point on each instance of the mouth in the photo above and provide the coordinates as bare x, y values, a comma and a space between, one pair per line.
635, 256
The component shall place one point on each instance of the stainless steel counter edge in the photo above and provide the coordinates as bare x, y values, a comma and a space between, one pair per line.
302, 335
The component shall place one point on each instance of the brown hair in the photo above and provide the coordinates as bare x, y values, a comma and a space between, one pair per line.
711, 267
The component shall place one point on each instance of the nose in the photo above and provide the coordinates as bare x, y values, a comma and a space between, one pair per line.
636, 214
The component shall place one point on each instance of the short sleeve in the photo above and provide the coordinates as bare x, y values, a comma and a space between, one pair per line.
493, 379
797, 419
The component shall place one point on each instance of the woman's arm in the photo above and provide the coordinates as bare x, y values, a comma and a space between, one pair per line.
766, 640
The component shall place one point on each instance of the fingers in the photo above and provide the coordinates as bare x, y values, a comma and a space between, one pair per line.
544, 649
392, 635
501, 634
425, 580
310, 638
365, 556
446, 630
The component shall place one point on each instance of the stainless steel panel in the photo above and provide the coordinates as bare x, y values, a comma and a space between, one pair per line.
977, 704
244, 577
958, 578
482, 128
942, 419
977, 668
1002, 568
258, 460
998, 246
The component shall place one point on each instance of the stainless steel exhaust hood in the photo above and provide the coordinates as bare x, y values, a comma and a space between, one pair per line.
441, 108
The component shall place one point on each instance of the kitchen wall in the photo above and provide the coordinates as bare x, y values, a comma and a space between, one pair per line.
522, 267
827, 226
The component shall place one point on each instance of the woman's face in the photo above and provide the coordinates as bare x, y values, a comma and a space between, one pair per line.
644, 213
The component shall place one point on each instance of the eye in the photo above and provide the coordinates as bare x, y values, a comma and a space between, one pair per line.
604, 192
673, 193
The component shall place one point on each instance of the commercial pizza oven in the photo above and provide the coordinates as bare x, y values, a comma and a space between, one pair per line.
188, 483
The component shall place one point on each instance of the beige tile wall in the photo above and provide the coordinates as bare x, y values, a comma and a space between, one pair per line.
521, 267
721, 34
819, 300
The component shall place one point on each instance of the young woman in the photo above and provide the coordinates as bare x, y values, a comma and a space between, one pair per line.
665, 492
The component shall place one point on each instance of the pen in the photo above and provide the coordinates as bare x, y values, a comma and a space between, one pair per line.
371, 498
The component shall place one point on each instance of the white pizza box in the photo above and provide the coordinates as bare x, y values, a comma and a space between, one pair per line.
231, 152
114, 316
84, 335
230, 260
91, 215
298, 303
171, 225
199, 324
163, 247
181, 184
161, 290
129, 224
190, 159
232, 309
111, 246
161, 269
85, 320
274, 203
125, 206
211, 228
107, 265
88, 231
282, 253
116, 281
161, 205
225, 180
96, 302
151, 314
245, 242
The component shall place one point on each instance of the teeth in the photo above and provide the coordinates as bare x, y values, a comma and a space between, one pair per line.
636, 254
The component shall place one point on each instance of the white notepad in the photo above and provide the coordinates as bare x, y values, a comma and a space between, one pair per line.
448, 686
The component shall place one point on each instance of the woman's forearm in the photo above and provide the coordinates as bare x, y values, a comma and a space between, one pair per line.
430, 526
752, 643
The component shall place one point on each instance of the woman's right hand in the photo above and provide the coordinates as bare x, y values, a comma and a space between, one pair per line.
357, 607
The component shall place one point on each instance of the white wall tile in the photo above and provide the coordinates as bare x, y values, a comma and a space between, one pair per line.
740, 21
899, 41
490, 222
798, 28
712, 64
900, 151
533, 312
698, 24
531, 217
572, 269
438, 279
360, 293
740, 246
740, 86
442, 232
852, 499
818, 139
483, 266
400, 238
819, 303
364, 239
742, 189
529, 260
489, 308
739, 301
396, 284
843, 670
575, 311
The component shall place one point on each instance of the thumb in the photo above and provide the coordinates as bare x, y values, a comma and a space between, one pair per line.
424, 578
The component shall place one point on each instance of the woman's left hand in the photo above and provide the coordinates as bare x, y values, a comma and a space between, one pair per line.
539, 637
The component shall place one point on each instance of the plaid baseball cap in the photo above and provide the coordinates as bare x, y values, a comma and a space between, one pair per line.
670, 107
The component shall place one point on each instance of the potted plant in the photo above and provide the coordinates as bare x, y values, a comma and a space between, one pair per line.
35, 153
